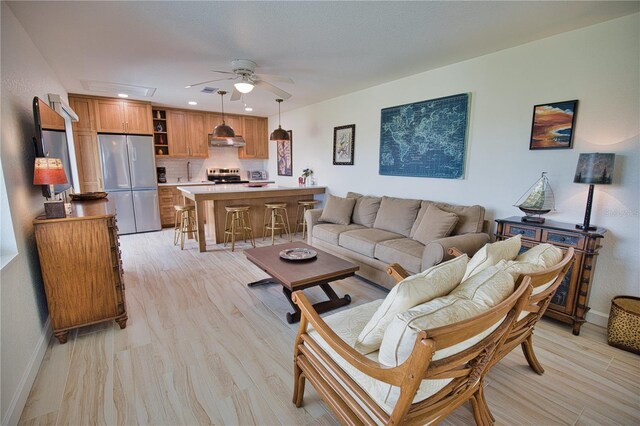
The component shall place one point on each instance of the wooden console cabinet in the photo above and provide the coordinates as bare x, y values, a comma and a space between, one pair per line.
570, 303
81, 267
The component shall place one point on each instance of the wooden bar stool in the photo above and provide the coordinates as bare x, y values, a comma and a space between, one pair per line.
276, 218
236, 222
185, 223
303, 206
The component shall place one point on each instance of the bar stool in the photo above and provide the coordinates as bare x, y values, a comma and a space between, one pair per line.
185, 223
276, 217
303, 206
236, 222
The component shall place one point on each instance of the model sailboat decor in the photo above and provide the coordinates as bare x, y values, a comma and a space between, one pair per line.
538, 200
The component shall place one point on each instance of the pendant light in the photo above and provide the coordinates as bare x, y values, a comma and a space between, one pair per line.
279, 134
222, 130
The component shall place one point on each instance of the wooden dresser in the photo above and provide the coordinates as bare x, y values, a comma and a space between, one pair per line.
569, 304
81, 267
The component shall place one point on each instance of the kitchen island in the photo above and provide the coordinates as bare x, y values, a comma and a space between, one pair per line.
221, 196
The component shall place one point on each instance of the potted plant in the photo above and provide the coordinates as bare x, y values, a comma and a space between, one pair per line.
307, 175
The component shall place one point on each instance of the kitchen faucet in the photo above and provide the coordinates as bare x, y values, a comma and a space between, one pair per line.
188, 171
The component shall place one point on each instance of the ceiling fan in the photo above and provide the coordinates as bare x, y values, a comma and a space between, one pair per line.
244, 71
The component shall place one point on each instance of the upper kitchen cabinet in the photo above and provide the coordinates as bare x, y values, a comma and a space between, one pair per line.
83, 108
255, 135
122, 116
198, 141
177, 133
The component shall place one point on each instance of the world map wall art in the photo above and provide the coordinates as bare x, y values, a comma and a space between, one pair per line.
425, 139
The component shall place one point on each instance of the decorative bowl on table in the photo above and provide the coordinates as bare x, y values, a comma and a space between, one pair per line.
298, 253
88, 196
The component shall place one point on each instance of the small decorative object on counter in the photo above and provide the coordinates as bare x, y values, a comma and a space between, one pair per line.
307, 175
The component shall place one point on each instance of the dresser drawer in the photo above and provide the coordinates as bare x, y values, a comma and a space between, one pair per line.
527, 232
563, 239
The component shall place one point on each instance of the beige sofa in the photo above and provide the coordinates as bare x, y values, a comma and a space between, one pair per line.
384, 230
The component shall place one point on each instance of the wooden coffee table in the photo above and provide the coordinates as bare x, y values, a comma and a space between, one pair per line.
297, 275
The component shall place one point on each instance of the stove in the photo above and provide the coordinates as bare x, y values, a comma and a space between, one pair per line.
224, 176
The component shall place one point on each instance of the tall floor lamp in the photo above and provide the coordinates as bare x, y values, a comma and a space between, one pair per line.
593, 169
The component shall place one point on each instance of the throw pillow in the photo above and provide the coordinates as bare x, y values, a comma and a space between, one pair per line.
491, 254
435, 224
397, 215
545, 254
488, 288
338, 210
365, 210
515, 268
435, 282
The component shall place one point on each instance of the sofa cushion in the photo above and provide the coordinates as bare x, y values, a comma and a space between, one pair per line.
491, 254
435, 224
365, 210
414, 290
470, 218
337, 210
405, 251
330, 232
546, 255
424, 205
516, 268
353, 195
397, 215
364, 241
488, 287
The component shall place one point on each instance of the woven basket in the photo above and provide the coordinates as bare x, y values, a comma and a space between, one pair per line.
623, 330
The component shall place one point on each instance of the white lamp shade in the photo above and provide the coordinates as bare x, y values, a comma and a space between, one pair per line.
243, 87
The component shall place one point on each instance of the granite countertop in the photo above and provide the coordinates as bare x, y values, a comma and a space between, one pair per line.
201, 182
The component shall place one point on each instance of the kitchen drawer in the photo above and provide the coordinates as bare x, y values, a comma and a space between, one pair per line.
563, 239
527, 232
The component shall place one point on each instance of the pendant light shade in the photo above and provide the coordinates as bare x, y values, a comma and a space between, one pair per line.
222, 130
279, 134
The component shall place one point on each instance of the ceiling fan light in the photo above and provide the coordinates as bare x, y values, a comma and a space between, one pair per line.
279, 134
243, 86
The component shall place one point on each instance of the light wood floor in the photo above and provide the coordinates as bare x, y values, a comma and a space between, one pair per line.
200, 348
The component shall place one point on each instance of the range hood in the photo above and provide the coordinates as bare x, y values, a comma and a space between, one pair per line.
236, 141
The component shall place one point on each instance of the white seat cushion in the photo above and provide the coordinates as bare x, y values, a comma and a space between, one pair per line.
436, 281
491, 254
546, 255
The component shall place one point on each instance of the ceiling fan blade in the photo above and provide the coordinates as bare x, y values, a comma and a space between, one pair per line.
208, 81
271, 77
235, 95
273, 89
223, 72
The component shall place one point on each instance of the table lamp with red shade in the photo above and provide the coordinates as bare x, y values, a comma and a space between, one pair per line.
49, 171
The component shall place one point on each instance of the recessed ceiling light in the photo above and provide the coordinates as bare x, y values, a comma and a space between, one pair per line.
193, 103
123, 95
248, 108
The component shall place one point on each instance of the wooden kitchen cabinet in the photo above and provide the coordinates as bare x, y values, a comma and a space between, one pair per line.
198, 142
88, 160
177, 133
81, 267
122, 116
170, 196
255, 135
570, 302
85, 140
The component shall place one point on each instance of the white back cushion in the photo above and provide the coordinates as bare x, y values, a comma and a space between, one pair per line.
491, 254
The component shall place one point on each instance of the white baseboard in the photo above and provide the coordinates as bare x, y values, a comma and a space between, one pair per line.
597, 318
14, 411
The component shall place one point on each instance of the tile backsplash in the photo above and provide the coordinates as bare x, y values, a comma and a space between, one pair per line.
219, 157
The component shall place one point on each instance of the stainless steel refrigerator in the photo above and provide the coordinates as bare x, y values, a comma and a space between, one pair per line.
129, 176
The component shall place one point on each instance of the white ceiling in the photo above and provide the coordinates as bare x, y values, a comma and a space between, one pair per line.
327, 48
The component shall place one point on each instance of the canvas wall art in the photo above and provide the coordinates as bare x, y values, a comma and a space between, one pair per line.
285, 156
425, 139
552, 125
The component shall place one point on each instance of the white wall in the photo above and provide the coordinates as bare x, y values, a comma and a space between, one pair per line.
598, 65
24, 334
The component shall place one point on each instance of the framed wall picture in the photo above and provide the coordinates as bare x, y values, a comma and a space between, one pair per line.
343, 145
285, 156
552, 125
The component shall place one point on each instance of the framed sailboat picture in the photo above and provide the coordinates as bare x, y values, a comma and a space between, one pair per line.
552, 126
